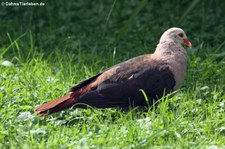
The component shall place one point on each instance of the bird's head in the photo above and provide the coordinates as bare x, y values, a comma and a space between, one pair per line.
175, 34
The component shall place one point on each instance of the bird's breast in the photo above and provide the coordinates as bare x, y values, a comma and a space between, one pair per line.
178, 65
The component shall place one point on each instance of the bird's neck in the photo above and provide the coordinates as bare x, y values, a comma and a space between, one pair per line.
170, 48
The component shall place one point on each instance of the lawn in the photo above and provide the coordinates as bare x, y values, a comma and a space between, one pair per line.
45, 50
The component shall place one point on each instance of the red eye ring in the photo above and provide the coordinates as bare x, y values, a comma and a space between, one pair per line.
181, 35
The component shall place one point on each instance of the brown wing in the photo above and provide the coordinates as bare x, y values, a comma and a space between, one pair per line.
122, 87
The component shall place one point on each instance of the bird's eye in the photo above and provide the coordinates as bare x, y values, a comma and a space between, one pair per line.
181, 35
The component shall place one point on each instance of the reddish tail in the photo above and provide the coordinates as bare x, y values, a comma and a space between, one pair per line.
56, 105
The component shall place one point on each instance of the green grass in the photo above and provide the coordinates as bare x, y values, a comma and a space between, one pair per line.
58, 45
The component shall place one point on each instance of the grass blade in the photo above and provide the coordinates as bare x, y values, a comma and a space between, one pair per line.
145, 96
12, 43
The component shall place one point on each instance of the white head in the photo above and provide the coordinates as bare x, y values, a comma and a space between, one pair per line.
175, 34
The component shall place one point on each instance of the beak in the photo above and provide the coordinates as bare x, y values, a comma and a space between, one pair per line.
187, 42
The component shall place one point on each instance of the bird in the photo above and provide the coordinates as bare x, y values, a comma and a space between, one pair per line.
123, 84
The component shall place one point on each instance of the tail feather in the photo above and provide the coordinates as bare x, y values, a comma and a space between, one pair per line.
56, 105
